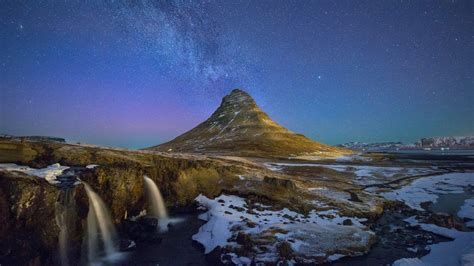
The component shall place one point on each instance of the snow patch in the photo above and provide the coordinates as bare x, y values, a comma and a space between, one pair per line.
319, 232
354, 157
49, 173
427, 188
460, 251
467, 210
335, 257
331, 193
364, 174
409, 262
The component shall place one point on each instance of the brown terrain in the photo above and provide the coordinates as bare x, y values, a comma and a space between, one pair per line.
240, 127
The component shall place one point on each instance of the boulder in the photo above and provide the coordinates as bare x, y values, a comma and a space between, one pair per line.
284, 250
347, 222
28, 229
278, 182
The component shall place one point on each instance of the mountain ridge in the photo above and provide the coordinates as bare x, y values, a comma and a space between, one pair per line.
441, 142
238, 126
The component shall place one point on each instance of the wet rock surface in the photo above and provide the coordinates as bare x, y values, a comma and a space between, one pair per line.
142, 230
396, 239
127, 245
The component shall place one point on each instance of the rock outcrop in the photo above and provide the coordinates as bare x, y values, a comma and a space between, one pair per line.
277, 182
27, 203
29, 230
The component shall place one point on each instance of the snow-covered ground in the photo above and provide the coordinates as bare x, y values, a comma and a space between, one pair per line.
428, 188
49, 173
354, 157
91, 166
318, 236
467, 211
331, 193
321, 156
460, 251
363, 174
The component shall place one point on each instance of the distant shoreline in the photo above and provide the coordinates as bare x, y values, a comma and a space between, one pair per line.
452, 151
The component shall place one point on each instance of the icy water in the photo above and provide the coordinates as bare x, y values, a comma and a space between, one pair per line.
450, 203
176, 247
436, 152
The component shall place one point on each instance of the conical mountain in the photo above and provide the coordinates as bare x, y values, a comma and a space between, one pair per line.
240, 127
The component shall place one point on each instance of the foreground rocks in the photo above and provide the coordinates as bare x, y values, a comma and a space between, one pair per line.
29, 231
281, 209
285, 183
261, 234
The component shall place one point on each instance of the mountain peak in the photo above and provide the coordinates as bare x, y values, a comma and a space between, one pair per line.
238, 98
238, 91
239, 126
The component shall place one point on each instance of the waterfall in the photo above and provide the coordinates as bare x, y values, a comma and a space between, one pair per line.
157, 204
99, 227
65, 209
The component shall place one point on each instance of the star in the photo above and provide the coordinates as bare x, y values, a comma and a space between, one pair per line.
175, 60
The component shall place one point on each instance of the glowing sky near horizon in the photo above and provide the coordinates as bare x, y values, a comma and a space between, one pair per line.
137, 73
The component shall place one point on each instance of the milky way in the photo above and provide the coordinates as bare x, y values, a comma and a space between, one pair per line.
137, 73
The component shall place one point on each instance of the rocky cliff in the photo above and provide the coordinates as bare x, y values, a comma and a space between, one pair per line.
28, 203
29, 231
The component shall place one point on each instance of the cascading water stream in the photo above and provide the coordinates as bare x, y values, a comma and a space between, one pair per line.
99, 228
157, 204
65, 209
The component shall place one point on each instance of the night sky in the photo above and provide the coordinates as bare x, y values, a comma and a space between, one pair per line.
135, 74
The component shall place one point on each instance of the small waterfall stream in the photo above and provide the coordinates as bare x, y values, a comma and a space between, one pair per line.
100, 229
65, 209
157, 204
100, 244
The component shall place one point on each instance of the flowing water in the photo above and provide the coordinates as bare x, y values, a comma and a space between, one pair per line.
157, 205
100, 229
65, 218
176, 247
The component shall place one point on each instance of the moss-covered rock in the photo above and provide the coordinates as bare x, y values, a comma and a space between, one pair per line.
278, 182
120, 186
28, 231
